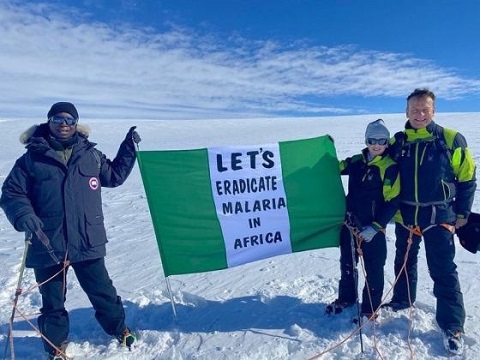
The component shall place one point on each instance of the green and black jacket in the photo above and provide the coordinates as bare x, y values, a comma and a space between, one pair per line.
437, 173
373, 188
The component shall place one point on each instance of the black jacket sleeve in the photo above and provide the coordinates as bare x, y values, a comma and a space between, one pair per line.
114, 172
15, 199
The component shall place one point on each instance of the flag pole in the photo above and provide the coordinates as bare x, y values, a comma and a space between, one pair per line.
167, 280
172, 301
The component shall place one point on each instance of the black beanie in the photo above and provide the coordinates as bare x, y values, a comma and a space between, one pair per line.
62, 106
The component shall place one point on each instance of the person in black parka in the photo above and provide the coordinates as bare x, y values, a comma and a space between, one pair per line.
54, 191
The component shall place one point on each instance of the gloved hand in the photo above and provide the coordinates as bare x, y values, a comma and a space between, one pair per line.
30, 223
369, 232
133, 135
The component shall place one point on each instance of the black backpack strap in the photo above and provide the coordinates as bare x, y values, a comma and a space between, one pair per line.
395, 149
440, 139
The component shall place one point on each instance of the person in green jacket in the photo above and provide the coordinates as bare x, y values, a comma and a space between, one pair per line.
373, 187
438, 185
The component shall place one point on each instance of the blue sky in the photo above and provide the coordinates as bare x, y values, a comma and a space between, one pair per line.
189, 59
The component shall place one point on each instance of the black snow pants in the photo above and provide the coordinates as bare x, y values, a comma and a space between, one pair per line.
440, 253
374, 257
95, 281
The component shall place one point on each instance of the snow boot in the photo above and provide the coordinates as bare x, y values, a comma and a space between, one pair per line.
59, 354
453, 342
337, 307
127, 338
396, 305
364, 317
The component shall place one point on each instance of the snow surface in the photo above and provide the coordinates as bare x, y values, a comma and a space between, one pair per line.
269, 309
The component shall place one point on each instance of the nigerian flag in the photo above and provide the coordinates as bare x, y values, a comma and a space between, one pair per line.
220, 207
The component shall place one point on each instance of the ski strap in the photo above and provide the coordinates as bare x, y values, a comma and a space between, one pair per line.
46, 242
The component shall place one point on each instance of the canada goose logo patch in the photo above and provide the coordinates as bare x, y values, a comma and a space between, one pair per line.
93, 182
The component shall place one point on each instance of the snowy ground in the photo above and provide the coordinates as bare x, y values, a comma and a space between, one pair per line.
271, 309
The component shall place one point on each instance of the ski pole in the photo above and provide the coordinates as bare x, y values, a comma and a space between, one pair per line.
355, 279
18, 292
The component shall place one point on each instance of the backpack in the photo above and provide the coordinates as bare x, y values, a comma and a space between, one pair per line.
469, 234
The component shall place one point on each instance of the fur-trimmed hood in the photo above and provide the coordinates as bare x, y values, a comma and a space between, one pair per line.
37, 130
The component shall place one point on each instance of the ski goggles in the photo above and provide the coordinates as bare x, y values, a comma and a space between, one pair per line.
56, 119
372, 141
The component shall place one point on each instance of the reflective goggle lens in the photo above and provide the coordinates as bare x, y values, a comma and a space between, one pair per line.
60, 119
371, 141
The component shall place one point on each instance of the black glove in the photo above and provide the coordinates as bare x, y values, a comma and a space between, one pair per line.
30, 223
133, 135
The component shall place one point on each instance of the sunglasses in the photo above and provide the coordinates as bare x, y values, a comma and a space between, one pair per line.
372, 141
60, 119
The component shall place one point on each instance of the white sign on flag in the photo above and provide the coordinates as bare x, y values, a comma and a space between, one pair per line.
250, 201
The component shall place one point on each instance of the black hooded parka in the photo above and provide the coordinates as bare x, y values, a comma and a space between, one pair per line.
66, 197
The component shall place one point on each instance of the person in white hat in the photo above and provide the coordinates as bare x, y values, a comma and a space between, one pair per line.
373, 189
